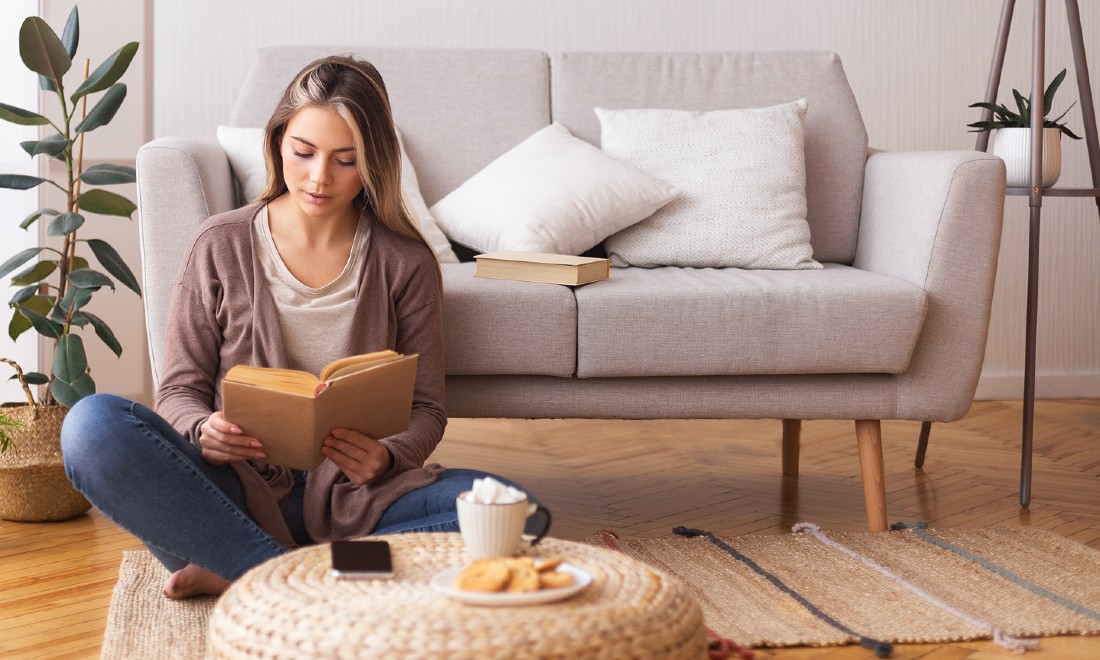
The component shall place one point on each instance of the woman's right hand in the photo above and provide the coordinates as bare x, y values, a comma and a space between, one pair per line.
222, 441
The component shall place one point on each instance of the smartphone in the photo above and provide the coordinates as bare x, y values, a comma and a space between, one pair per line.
361, 559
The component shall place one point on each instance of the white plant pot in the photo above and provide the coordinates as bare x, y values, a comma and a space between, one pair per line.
1013, 146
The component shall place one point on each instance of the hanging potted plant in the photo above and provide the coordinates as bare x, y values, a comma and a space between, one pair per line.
1012, 136
54, 285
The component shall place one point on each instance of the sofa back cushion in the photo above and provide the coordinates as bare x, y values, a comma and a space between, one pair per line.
835, 138
457, 109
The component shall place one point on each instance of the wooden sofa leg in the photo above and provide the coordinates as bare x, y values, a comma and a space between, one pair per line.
791, 431
869, 438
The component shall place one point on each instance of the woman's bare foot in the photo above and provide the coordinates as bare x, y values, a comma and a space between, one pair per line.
194, 580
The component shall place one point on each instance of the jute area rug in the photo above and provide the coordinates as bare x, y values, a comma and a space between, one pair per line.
142, 623
910, 585
808, 588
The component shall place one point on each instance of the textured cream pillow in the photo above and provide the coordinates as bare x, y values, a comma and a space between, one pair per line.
743, 177
550, 193
245, 149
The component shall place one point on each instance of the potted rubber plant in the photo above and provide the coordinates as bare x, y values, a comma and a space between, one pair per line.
55, 283
1012, 135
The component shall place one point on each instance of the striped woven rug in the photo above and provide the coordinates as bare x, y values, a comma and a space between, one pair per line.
807, 588
909, 585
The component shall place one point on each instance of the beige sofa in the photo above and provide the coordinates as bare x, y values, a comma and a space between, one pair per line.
893, 327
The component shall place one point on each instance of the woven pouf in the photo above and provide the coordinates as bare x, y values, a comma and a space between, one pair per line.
33, 485
291, 607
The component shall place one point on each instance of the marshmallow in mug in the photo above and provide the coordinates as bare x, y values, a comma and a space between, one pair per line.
490, 491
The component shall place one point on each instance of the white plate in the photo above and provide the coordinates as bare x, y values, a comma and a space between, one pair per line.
442, 582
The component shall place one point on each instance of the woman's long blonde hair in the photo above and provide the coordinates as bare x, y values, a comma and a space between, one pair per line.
355, 90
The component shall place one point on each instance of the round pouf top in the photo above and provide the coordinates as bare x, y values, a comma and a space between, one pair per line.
292, 607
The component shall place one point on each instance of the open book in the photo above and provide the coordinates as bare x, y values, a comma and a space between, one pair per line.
542, 267
292, 412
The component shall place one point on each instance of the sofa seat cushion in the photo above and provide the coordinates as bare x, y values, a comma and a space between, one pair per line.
507, 327
726, 322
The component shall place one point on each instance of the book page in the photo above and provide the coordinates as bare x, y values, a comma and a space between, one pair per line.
283, 380
539, 258
354, 363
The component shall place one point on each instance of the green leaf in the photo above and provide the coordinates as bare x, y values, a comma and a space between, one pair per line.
106, 174
53, 145
104, 333
75, 299
106, 202
35, 273
69, 359
35, 378
1022, 104
86, 278
104, 111
77, 263
67, 395
20, 181
109, 72
1006, 115
1069, 133
65, 223
42, 51
18, 260
1048, 98
18, 325
76, 319
22, 295
21, 321
110, 260
39, 304
20, 116
29, 220
43, 325
70, 36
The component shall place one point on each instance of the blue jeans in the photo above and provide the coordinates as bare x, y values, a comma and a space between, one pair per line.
149, 479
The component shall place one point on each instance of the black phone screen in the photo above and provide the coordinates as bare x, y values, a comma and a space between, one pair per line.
361, 559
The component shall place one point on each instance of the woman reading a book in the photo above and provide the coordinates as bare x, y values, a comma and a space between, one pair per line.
326, 263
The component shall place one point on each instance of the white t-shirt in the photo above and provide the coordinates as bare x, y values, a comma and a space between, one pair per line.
315, 321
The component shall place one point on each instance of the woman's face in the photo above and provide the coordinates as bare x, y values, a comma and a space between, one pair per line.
319, 163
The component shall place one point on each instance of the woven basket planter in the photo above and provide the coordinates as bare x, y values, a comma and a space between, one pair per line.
33, 485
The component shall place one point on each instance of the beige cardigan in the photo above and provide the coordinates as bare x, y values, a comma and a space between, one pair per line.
222, 314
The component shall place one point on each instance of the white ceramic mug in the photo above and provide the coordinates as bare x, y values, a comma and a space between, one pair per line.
496, 530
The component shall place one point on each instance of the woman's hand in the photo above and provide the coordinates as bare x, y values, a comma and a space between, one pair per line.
361, 458
222, 441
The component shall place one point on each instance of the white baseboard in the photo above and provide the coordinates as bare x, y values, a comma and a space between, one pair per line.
1050, 386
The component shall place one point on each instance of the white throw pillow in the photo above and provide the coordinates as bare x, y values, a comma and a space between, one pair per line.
245, 149
550, 193
743, 177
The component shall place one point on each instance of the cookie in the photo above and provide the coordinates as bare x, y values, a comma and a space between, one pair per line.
486, 575
522, 576
549, 564
555, 580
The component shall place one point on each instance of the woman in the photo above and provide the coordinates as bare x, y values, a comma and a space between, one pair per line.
326, 263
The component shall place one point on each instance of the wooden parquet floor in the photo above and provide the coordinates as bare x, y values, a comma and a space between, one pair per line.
640, 479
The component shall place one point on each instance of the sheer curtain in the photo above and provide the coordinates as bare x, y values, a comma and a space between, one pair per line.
18, 87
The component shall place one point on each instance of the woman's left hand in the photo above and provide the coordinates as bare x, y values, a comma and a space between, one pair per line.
361, 458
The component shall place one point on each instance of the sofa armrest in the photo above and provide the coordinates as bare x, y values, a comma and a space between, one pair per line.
934, 220
180, 183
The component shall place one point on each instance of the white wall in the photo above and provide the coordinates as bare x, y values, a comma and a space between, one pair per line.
914, 67
19, 88
105, 25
